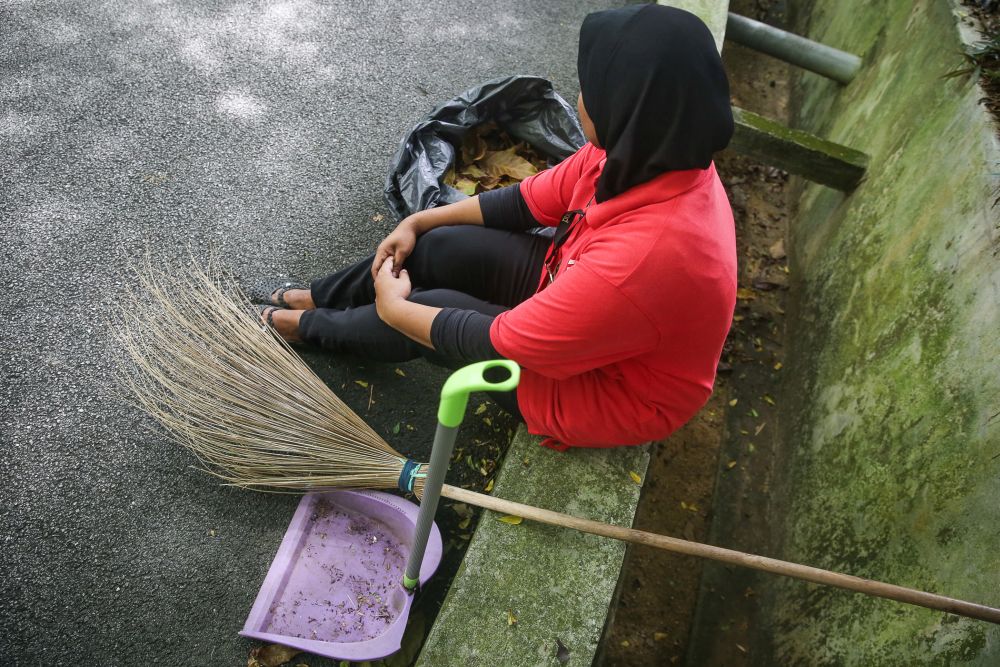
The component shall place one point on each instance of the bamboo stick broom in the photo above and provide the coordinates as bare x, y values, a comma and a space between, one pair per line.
256, 416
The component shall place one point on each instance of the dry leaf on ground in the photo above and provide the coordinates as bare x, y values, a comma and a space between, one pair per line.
777, 249
271, 655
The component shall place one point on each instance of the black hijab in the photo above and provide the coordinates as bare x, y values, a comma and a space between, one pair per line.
653, 83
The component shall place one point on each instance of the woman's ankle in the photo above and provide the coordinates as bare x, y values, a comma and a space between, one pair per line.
286, 323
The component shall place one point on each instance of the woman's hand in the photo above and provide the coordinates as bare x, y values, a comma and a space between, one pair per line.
413, 320
400, 243
397, 246
390, 288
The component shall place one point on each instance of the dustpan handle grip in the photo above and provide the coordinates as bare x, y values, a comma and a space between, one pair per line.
464, 381
454, 400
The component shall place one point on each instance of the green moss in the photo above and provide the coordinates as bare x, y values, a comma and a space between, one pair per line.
893, 361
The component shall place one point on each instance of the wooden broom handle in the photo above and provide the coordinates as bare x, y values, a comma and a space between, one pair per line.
813, 574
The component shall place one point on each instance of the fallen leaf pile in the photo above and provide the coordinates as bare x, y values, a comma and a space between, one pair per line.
489, 158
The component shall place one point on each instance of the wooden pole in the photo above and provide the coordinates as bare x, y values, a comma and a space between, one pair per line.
813, 574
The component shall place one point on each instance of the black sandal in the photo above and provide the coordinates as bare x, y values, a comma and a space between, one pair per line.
266, 289
258, 311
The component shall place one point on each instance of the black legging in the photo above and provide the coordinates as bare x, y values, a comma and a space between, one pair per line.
463, 266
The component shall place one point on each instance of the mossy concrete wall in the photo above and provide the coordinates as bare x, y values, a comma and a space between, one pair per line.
893, 470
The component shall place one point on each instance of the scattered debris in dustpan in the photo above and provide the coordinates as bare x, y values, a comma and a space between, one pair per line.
363, 562
334, 588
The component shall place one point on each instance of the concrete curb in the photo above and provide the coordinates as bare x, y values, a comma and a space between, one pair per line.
523, 587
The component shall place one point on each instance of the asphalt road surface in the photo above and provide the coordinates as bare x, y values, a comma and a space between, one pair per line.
259, 131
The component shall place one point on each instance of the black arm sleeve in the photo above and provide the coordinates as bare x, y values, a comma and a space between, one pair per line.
505, 208
463, 334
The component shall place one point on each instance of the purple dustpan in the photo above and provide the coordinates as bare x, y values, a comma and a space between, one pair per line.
334, 587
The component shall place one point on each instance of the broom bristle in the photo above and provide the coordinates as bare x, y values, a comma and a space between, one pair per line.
237, 395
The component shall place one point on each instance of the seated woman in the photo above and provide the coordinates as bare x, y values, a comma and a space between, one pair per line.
617, 321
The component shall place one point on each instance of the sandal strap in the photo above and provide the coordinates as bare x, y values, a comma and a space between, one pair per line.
264, 315
279, 294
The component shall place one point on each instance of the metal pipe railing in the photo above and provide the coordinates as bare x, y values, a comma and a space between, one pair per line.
813, 56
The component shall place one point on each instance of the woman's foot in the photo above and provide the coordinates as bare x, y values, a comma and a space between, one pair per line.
284, 322
280, 292
296, 299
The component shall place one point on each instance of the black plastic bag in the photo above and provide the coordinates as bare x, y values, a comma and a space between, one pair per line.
525, 106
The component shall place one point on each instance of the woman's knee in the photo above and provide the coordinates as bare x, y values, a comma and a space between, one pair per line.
444, 241
444, 256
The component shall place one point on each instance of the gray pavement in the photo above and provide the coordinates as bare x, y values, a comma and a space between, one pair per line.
260, 131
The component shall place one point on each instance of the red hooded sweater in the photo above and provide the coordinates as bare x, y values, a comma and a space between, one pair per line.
622, 346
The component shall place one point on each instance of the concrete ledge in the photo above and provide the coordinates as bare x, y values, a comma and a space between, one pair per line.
798, 152
557, 583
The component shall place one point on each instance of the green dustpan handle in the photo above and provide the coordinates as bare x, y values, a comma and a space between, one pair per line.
464, 381
454, 400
